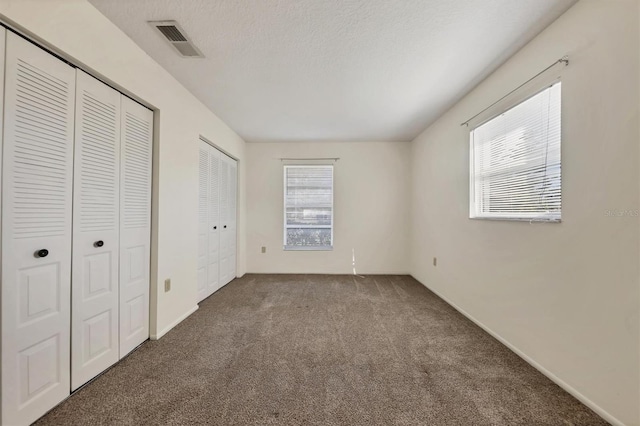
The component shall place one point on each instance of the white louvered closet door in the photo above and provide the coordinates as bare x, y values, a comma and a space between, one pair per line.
233, 198
135, 223
94, 279
36, 239
224, 221
203, 218
213, 267
228, 184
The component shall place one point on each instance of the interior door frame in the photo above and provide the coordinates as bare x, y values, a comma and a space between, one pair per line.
238, 162
3, 44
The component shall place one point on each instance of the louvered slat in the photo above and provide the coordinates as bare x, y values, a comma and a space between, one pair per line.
224, 191
137, 172
203, 185
214, 188
233, 188
99, 151
40, 170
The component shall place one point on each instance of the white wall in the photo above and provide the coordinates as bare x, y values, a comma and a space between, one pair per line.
565, 295
76, 30
371, 199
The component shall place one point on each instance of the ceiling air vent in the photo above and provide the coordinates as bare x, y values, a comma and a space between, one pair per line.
177, 38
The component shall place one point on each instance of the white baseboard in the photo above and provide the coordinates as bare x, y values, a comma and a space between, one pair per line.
362, 274
173, 324
580, 397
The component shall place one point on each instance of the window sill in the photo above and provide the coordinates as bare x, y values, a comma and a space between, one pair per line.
308, 248
518, 219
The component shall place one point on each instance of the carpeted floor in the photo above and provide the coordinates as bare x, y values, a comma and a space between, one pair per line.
323, 350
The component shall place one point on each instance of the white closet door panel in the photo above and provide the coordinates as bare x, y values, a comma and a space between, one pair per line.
135, 223
224, 220
203, 219
36, 239
3, 38
233, 196
228, 183
213, 269
94, 281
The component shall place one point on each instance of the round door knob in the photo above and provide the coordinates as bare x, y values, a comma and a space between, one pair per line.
215, 227
99, 243
42, 253
225, 227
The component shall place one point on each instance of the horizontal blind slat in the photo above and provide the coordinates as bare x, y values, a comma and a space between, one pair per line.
308, 206
516, 160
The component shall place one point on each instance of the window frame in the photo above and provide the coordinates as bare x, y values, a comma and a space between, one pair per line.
284, 202
512, 216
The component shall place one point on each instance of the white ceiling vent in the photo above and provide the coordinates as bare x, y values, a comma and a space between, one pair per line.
171, 31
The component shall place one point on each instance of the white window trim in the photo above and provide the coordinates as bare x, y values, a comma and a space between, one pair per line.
520, 98
284, 215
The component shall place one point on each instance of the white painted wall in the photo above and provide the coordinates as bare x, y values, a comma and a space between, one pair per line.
371, 202
566, 295
76, 30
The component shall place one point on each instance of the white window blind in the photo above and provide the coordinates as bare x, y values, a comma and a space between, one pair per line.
308, 205
515, 161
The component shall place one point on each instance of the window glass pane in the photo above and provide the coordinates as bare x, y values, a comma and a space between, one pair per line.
309, 216
308, 237
309, 186
308, 206
516, 161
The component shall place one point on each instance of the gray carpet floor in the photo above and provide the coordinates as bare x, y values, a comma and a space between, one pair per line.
323, 350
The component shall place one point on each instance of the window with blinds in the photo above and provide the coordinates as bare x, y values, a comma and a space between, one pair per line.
308, 206
515, 161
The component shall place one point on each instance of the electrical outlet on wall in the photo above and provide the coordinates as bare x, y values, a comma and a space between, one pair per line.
167, 285
264, 249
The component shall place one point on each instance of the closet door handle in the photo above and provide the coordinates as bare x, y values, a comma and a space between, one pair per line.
225, 227
99, 243
215, 227
42, 253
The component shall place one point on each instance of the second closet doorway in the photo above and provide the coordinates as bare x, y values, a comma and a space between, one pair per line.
218, 182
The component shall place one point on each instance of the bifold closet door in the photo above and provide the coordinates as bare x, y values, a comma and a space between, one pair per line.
213, 267
224, 220
208, 221
228, 193
135, 223
94, 279
217, 182
36, 230
228, 189
203, 219
232, 226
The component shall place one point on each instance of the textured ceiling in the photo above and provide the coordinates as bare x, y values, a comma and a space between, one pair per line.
357, 70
